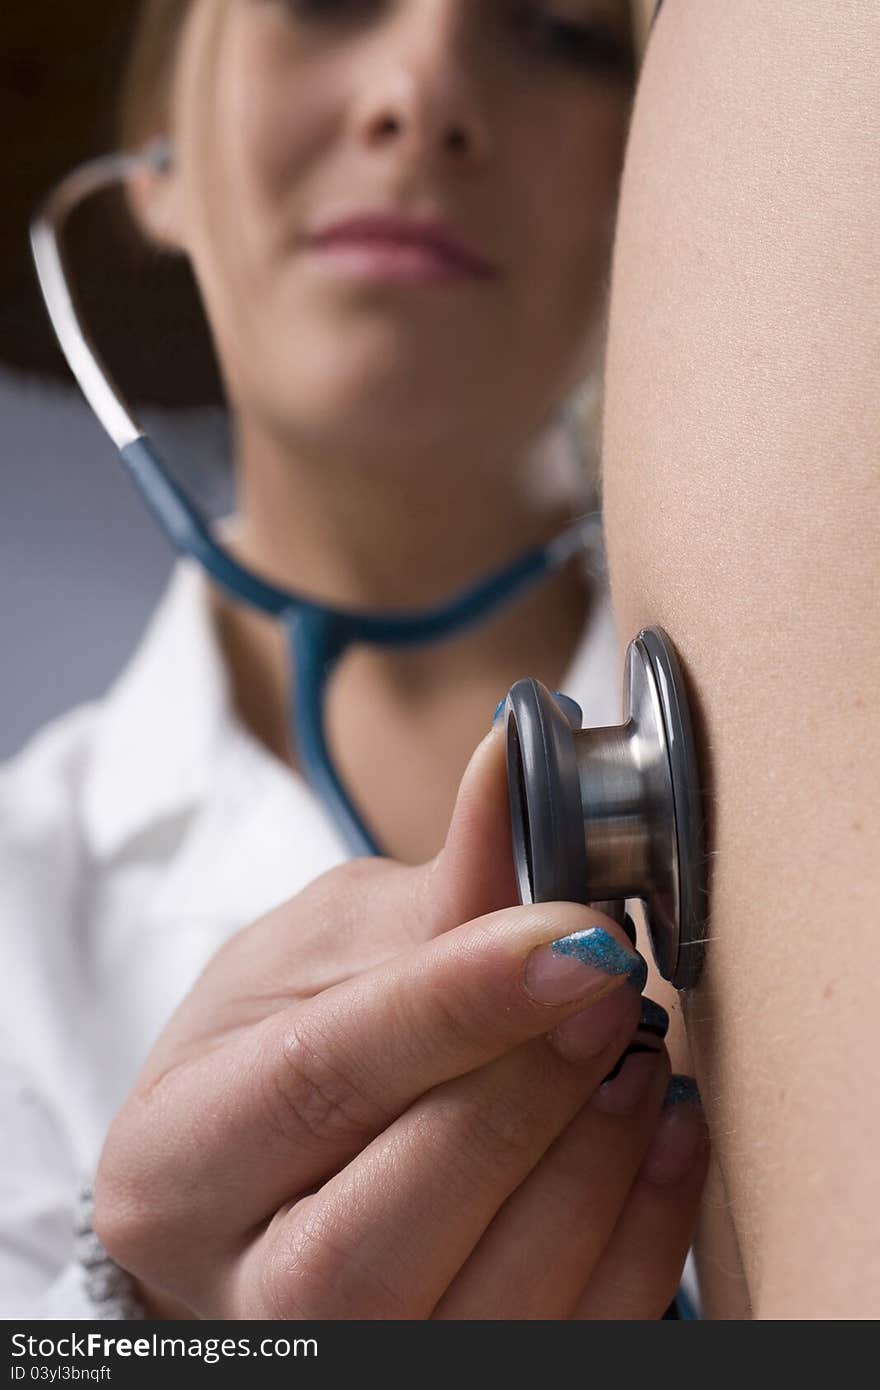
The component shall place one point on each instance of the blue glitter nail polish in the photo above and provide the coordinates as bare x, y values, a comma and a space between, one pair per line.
498, 712
682, 1090
654, 1018
597, 947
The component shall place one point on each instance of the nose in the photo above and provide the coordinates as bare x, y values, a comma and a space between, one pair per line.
398, 120
419, 95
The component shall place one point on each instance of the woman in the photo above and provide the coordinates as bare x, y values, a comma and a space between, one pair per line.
396, 1080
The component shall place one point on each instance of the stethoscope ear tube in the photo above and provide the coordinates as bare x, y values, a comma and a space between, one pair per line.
317, 633
602, 815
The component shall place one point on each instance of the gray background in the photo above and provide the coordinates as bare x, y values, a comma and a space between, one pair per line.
81, 564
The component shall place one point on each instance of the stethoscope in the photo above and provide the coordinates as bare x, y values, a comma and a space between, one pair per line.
597, 815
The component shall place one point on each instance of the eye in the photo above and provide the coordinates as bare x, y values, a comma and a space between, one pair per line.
329, 9
588, 44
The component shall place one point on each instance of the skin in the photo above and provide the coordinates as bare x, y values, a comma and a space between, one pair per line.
742, 512
390, 1125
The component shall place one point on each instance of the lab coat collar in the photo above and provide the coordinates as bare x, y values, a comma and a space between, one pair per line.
163, 723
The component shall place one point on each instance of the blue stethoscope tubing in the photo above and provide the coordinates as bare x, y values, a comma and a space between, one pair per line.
317, 634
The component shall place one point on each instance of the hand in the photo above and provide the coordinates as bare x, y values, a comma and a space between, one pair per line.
385, 1100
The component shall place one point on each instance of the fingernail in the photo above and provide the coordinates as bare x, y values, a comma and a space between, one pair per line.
654, 1019
681, 1133
628, 1084
576, 965
682, 1090
499, 709
570, 708
586, 1034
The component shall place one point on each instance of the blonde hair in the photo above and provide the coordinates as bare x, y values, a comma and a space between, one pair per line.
145, 95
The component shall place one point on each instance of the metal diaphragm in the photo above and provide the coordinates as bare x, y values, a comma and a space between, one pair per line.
602, 815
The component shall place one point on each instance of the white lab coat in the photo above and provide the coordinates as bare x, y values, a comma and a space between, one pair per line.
137, 834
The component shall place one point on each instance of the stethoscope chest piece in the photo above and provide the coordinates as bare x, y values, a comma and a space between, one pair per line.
602, 815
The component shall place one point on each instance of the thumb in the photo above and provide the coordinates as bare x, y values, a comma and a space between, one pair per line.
473, 874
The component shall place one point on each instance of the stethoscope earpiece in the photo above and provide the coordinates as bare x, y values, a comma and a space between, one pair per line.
159, 153
602, 815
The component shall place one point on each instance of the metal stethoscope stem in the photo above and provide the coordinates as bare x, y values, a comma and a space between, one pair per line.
598, 815
602, 815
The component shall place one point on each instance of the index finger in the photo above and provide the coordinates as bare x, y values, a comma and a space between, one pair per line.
288, 1101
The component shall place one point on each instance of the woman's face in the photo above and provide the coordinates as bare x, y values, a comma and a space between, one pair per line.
502, 120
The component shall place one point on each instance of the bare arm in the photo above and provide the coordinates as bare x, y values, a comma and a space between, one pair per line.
742, 501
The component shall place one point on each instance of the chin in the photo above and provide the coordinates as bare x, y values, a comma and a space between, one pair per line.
383, 425
377, 403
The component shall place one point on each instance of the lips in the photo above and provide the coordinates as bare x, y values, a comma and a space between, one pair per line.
430, 241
